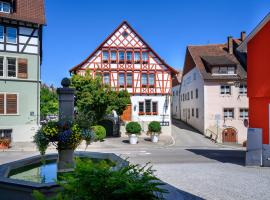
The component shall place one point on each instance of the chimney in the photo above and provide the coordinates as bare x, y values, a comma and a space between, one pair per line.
243, 36
230, 45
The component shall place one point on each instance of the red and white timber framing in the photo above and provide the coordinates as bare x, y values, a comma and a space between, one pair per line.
128, 62
126, 39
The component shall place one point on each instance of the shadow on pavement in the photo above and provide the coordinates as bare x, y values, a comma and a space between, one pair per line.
182, 125
224, 156
177, 194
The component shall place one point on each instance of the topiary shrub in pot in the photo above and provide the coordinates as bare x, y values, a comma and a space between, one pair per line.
154, 129
133, 129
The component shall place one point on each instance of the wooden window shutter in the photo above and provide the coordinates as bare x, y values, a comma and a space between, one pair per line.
11, 103
22, 68
2, 104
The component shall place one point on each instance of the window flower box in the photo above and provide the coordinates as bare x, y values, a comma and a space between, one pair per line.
5, 143
141, 113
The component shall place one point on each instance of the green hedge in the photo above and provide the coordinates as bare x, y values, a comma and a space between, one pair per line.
133, 128
154, 127
100, 132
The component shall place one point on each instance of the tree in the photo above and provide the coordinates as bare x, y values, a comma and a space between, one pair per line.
48, 101
94, 99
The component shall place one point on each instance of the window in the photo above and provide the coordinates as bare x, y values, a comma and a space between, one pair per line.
151, 80
113, 56
223, 70
121, 79
121, 56
11, 35
141, 108
22, 68
243, 89
192, 112
1, 66
188, 113
8, 104
197, 94
176, 93
197, 113
148, 107
105, 56
125, 34
106, 78
228, 113
154, 108
137, 57
188, 96
129, 56
145, 57
1, 33
225, 89
11, 67
129, 79
5, 7
191, 94
144, 80
243, 113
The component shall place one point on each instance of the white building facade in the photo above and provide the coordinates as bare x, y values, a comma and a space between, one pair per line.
214, 93
126, 62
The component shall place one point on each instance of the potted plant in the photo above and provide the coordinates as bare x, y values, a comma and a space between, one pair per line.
133, 129
4, 143
154, 129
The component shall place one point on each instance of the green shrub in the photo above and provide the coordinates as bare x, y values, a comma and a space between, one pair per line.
100, 132
154, 127
96, 181
133, 128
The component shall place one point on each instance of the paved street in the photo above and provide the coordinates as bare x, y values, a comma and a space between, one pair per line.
192, 166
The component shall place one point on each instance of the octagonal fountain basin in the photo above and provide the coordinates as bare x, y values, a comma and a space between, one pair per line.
18, 179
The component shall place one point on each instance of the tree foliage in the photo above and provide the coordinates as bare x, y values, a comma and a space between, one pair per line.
94, 99
48, 101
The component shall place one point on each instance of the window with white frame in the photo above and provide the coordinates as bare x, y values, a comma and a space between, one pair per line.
113, 56
148, 106
243, 113
121, 56
121, 79
106, 78
151, 80
11, 68
144, 79
228, 113
105, 56
141, 107
1, 33
11, 35
197, 93
224, 70
8, 104
137, 57
225, 89
145, 57
129, 79
5, 7
197, 112
243, 88
129, 56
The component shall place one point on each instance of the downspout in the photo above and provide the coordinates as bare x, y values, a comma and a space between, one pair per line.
38, 75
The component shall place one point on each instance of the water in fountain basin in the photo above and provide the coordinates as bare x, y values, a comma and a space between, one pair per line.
42, 173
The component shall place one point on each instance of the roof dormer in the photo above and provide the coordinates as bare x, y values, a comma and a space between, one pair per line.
5, 6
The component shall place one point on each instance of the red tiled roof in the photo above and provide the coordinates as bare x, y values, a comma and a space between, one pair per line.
194, 56
27, 11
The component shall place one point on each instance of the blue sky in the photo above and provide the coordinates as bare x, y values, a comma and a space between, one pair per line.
75, 28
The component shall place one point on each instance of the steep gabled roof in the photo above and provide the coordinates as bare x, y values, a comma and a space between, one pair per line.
243, 46
195, 55
133, 30
27, 11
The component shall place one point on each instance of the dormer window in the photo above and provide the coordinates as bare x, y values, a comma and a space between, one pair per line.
223, 70
5, 7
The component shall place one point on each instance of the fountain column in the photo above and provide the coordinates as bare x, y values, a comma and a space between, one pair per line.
65, 161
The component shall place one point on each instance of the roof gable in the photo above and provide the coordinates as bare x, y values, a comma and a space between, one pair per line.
124, 36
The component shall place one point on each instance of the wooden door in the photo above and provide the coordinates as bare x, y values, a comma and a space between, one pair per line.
126, 116
229, 135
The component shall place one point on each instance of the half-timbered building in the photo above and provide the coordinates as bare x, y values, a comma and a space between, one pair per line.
126, 61
21, 23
